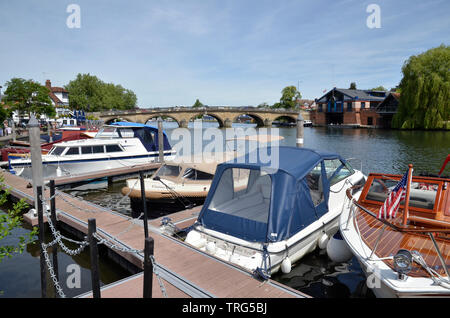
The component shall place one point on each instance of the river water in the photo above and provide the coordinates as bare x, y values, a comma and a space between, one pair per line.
372, 150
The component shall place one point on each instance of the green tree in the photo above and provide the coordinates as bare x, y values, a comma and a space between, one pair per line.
28, 96
10, 221
197, 104
87, 92
289, 96
425, 91
379, 88
352, 85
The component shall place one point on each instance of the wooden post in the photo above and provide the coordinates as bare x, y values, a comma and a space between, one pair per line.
53, 219
160, 140
95, 278
300, 129
408, 188
148, 267
36, 155
13, 128
38, 204
144, 203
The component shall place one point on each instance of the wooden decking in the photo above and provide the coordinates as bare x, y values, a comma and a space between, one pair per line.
184, 271
391, 241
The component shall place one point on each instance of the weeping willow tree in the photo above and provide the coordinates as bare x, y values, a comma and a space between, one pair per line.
425, 91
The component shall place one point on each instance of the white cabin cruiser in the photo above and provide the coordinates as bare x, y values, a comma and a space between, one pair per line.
117, 145
262, 219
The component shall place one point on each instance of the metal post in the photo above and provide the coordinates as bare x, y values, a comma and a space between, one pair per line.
41, 240
144, 202
49, 132
95, 278
53, 219
148, 267
300, 122
160, 140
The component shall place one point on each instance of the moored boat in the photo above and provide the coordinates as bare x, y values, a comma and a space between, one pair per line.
408, 254
264, 217
177, 184
117, 145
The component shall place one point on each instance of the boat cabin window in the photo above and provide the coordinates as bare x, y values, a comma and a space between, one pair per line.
113, 148
73, 151
244, 193
98, 149
194, 174
57, 151
422, 194
337, 171
315, 184
169, 171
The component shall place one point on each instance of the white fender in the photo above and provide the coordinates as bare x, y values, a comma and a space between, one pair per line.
195, 239
211, 247
286, 266
338, 250
323, 241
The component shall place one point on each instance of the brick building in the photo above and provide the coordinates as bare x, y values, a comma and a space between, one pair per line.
349, 107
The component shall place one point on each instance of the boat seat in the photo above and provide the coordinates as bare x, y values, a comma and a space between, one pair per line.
253, 205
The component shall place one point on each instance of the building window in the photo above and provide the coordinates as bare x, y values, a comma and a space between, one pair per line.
349, 106
363, 104
320, 108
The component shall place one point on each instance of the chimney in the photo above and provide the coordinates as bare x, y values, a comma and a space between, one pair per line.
48, 84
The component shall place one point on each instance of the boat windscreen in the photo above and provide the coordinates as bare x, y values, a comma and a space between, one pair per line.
422, 194
169, 171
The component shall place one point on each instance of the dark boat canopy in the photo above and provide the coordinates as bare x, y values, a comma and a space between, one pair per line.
147, 134
261, 202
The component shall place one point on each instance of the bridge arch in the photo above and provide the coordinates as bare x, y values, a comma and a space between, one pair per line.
154, 116
218, 118
285, 119
258, 119
112, 120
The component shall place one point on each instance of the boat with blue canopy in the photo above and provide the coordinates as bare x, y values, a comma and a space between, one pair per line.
263, 216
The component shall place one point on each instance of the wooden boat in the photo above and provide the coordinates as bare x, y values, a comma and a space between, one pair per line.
408, 255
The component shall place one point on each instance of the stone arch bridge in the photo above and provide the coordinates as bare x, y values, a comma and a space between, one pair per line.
264, 117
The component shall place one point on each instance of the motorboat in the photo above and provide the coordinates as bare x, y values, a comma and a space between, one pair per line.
117, 145
178, 185
262, 215
307, 123
408, 254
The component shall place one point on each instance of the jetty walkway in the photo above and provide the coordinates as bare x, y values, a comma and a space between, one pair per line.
179, 269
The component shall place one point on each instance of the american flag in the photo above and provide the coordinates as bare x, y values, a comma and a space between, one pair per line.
390, 206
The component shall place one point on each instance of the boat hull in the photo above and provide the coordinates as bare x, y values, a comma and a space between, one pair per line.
53, 169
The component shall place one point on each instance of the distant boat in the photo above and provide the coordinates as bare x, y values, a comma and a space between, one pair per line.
118, 145
307, 123
264, 218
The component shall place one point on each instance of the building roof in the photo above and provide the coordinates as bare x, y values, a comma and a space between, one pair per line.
357, 94
54, 90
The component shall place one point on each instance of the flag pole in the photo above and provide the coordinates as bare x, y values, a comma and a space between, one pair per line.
408, 186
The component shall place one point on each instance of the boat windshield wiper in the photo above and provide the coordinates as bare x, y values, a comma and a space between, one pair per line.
183, 200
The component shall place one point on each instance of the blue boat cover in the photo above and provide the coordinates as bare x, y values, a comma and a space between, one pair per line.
291, 206
149, 140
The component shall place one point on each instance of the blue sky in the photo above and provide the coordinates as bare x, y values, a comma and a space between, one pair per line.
226, 52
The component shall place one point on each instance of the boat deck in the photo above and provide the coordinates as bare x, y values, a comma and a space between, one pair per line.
391, 240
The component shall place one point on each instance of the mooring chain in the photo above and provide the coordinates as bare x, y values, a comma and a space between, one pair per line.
51, 270
161, 285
